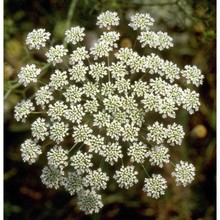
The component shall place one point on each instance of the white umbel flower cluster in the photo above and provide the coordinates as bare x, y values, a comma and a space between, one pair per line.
105, 108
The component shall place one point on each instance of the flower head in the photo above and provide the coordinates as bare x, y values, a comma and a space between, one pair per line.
37, 38
30, 151
155, 186
74, 35
184, 173
107, 19
28, 74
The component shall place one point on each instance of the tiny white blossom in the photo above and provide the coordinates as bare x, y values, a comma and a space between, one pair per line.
118, 70
139, 88
28, 74
30, 151
101, 119
167, 107
190, 100
158, 155
75, 113
122, 85
43, 96
81, 133
39, 129
171, 71
155, 186
114, 130
75, 35
151, 102
58, 131
98, 70
51, 177
57, 158
125, 54
154, 64
96, 179
73, 183
55, 54
81, 162
58, 80
126, 177
23, 109
91, 106
78, 72
157, 133
112, 152
107, 89
101, 49
37, 38
184, 173
130, 133
73, 94
193, 75
91, 89
56, 111
89, 201
107, 19
110, 37
175, 134
137, 152
95, 143
78, 55
141, 21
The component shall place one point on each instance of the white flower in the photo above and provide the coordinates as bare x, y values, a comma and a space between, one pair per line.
78, 72
28, 74
125, 54
175, 134
57, 158
91, 89
158, 155
114, 130
78, 55
51, 177
55, 54
122, 85
164, 41
43, 96
95, 143
75, 35
75, 113
58, 79
23, 109
56, 111
81, 162
30, 151
73, 94
190, 101
107, 89
184, 173
141, 21
155, 186
96, 179
126, 177
107, 19
39, 129
73, 183
193, 75
58, 131
130, 133
91, 106
151, 102
139, 88
167, 107
154, 64
101, 119
101, 49
98, 70
110, 37
112, 152
138, 152
81, 133
37, 38
89, 201
157, 133
171, 71
118, 70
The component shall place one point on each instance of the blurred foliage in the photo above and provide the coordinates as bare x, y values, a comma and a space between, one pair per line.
192, 24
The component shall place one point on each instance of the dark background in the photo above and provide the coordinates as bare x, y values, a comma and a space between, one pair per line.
192, 24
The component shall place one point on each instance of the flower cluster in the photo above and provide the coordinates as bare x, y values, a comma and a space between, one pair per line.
98, 106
